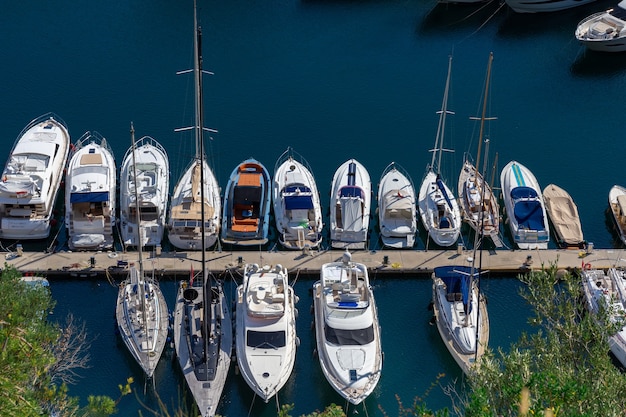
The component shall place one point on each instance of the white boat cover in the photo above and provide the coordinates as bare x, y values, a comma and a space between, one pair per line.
352, 212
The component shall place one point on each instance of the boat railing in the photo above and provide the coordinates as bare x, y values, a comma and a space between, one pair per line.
290, 153
398, 168
147, 140
91, 137
43, 117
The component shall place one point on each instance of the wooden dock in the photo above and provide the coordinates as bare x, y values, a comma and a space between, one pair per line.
396, 263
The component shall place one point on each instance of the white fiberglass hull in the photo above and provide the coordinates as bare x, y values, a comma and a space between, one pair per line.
439, 211
604, 31
397, 211
297, 207
538, 6
32, 178
350, 206
153, 190
266, 329
525, 207
90, 195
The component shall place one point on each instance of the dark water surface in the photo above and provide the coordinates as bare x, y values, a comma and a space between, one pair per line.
334, 80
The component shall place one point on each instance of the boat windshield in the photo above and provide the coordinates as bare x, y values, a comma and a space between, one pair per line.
350, 337
272, 340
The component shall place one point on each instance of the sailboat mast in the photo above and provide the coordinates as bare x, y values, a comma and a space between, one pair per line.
442, 122
483, 117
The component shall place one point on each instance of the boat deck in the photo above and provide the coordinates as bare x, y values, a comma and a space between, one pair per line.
392, 263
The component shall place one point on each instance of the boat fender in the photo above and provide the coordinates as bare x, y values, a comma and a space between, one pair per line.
587, 266
112, 255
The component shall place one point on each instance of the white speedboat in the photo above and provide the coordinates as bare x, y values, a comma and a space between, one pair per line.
477, 202
203, 334
617, 203
537, 6
604, 31
460, 313
141, 310
297, 207
563, 213
152, 190
524, 207
266, 338
607, 291
347, 329
438, 207
90, 189
32, 178
247, 202
350, 206
397, 211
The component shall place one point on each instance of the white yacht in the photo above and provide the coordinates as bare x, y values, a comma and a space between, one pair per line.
266, 338
297, 207
397, 211
525, 207
32, 178
460, 313
350, 206
247, 202
152, 185
347, 329
604, 31
90, 189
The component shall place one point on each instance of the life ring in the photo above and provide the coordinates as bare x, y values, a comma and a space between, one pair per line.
112, 255
587, 266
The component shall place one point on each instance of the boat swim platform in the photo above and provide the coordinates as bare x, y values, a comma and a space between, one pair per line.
307, 264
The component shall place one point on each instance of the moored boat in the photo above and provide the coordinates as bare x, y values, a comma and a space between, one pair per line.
397, 211
563, 214
525, 208
607, 291
347, 329
203, 336
152, 186
90, 194
350, 206
604, 31
461, 313
617, 203
296, 200
141, 310
477, 202
247, 200
438, 208
32, 178
266, 338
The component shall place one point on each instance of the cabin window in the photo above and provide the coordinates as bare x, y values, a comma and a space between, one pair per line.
350, 337
266, 339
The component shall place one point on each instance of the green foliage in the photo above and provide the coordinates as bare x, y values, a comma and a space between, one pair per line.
565, 365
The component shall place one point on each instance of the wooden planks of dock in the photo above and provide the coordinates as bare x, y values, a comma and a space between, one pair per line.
405, 263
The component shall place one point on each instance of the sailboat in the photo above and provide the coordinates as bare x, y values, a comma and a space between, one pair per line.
203, 334
141, 313
438, 208
196, 192
479, 206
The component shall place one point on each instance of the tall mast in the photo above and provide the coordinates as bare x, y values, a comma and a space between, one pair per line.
438, 149
483, 117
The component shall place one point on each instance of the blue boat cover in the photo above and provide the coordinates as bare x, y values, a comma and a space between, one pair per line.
298, 202
93, 197
457, 278
529, 215
351, 191
523, 192
443, 191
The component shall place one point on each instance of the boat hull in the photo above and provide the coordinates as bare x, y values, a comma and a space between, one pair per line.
525, 207
90, 194
397, 212
153, 189
617, 203
563, 214
439, 211
350, 206
604, 31
32, 178
247, 202
297, 207
353, 369
539, 6
266, 329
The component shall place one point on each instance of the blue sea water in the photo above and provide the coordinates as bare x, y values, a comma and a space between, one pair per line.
334, 80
